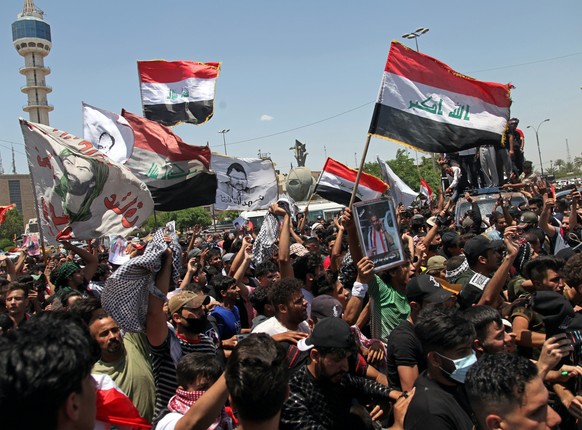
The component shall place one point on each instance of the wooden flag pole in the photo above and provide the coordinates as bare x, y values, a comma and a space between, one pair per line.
364, 154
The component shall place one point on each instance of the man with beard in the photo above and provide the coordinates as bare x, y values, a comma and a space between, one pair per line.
322, 392
83, 180
379, 241
191, 332
123, 358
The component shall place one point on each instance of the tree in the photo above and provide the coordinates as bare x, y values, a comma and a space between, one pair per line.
404, 166
12, 225
184, 218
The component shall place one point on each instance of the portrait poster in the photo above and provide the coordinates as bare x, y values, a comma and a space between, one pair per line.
31, 243
80, 192
244, 183
117, 250
378, 232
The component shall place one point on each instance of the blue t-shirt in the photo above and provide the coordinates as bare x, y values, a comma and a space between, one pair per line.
228, 321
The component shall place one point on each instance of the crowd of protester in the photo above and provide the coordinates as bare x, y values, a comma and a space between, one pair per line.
291, 326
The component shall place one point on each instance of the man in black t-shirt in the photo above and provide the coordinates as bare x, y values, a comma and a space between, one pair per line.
404, 355
439, 401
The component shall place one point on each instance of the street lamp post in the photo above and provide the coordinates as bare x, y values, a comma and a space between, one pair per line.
224, 138
415, 35
536, 130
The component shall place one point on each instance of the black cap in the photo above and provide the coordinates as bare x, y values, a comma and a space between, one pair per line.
329, 333
478, 245
426, 289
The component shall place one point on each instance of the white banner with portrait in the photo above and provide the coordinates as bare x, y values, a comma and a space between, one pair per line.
80, 192
244, 183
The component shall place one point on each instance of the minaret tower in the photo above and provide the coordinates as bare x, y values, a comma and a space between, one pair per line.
31, 36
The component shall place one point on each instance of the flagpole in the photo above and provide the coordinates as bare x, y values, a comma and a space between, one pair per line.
314, 189
38, 219
364, 154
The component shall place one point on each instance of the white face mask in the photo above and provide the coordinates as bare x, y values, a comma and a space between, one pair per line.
462, 366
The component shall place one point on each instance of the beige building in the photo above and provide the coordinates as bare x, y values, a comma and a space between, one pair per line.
18, 189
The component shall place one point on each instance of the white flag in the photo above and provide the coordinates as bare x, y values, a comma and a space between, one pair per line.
244, 183
81, 193
400, 192
109, 132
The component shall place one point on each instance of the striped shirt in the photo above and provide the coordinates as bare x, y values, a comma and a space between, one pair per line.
164, 368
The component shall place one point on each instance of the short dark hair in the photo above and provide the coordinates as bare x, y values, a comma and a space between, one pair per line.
221, 283
236, 166
41, 363
536, 269
441, 329
265, 268
481, 317
195, 365
496, 382
573, 271
84, 308
259, 298
13, 286
253, 358
306, 264
537, 200
282, 291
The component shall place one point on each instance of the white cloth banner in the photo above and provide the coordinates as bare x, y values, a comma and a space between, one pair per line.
400, 192
244, 183
81, 193
109, 132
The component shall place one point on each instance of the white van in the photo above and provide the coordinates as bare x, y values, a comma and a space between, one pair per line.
323, 208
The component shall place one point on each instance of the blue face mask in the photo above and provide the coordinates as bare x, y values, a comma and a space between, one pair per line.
462, 366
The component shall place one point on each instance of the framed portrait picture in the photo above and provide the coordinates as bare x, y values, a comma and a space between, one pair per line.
378, 232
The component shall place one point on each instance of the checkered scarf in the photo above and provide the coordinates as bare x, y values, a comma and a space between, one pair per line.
266, 239
126, 292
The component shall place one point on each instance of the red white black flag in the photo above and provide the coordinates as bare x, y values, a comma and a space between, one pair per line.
425, 104
337, 180
174, 92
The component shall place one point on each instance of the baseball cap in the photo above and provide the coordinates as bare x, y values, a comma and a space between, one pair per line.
190, 298
329, 333
526, 219
514, 121
426, 289
195, 252
324, 306
478, 245
436, 262
227, 257
298, 250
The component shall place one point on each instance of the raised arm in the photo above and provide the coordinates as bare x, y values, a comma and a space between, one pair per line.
91, 261
492, 291
156, 327
359, 290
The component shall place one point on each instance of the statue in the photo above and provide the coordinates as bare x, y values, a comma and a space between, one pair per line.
300, 183
300, 153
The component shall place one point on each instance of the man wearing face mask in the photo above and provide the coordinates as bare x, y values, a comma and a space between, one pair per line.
190, 331
440, 400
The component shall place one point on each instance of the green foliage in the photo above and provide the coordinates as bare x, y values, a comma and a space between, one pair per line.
6, 244
226, 215
565, 169
184, 218
404, 165
12, 226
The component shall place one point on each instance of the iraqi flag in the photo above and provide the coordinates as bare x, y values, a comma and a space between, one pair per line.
173, 92
425, 104
4, 211
109, 132
177, 174
400, 192
114, 409
425, 189
337, 180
